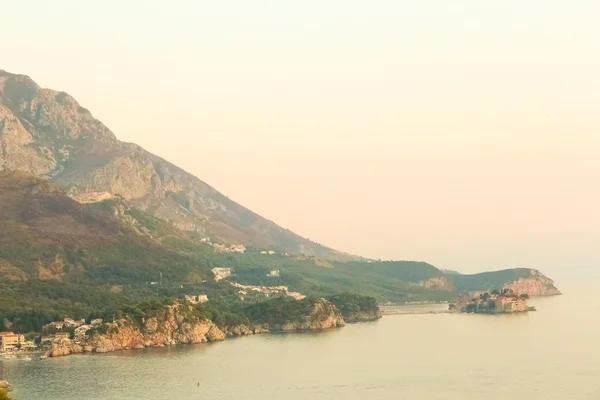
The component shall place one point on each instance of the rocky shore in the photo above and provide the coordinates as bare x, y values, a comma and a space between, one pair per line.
363, 316
5, 386
177, 326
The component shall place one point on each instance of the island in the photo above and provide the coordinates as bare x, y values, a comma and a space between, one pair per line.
494, 302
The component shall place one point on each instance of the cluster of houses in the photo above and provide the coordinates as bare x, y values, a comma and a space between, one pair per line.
10, 341
267, 290
234, 248
79, 333
223, 248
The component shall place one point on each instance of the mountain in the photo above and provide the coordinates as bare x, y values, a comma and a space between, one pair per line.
48, 134
89, 224
59, 257
47, 236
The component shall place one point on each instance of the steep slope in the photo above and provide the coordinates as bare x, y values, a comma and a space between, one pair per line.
47, 133
45, 235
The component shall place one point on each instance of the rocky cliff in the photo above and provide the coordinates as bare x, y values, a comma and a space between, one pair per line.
174, 325
49, 134
363, 316
5, 386
324, 315
178, 324
438, 282
535, 285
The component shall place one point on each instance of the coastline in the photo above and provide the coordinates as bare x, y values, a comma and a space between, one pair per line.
233, 333
181, 324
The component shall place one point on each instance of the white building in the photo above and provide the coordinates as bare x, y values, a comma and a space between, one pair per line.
81, 332
196, 298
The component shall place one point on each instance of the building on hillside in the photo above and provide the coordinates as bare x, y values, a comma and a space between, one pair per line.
47, 340
238, 248
196, 298
56, 325
274, 273
62, 335
28, 345
271, 252
69, 322
81, 332
10, 341
66, 323
96, 322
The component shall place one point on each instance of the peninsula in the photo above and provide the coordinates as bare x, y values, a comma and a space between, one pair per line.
156, 324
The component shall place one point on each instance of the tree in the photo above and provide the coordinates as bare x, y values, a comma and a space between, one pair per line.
4, 396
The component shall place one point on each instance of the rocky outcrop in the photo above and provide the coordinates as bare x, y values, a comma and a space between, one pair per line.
535, 285
5, 386
65, 348
174, 326
48, 133
324, 315
178, 325
363, 316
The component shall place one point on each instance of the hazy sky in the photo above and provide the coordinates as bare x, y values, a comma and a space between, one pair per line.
462, 133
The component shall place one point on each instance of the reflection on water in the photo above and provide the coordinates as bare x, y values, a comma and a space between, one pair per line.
549, 354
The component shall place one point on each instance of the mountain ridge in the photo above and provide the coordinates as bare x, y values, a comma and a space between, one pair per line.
49, 134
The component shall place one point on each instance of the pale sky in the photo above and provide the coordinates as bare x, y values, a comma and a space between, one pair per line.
462, 133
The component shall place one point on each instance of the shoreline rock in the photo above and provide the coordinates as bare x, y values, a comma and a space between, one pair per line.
363, 316
174, 327
5, 386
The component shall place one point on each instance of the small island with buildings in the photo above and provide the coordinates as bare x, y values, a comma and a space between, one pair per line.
494, 302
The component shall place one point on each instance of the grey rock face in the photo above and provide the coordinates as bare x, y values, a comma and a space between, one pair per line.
49, 134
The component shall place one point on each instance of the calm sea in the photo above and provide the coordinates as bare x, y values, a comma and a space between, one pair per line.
553, 353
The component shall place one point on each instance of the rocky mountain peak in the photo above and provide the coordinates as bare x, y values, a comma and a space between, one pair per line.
48, 133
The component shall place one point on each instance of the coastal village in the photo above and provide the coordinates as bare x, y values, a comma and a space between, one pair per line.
57, 332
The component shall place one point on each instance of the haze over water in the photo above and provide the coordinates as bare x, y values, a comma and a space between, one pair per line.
549, 354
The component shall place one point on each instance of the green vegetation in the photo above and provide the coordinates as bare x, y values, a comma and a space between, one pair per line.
351, 303
4, 396
487, 280
59, 258
280, 310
